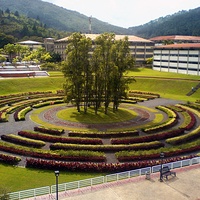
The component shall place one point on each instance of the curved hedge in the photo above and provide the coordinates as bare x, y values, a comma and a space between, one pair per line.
108, 148
61, 139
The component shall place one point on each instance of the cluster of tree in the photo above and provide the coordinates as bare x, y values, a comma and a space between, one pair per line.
94, 71
18, 53
16, 27
181, 23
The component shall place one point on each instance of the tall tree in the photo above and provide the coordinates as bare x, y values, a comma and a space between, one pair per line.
104, 43
77, 71
123, 61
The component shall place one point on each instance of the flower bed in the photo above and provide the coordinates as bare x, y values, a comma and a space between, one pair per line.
51, 138
82, 156
23, 141
148, 138
103, 134
108, 148
49, 131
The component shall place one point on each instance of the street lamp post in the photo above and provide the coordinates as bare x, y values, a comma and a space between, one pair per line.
162, 155
57, 174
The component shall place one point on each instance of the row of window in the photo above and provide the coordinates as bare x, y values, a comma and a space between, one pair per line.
178, 61
177, 55
177, 68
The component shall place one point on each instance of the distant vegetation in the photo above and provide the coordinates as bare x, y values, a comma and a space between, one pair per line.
181, 23
59, 18
16, 27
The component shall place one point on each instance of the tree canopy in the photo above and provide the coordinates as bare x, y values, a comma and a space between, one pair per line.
94, 71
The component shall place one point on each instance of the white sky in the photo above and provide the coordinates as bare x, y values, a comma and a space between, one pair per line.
127, 13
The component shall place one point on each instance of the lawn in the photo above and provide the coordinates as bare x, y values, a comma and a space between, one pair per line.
71, 114
18, 178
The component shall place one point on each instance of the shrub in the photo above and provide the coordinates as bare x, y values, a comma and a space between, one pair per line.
51, 138
103, 134
49, 131
23, 141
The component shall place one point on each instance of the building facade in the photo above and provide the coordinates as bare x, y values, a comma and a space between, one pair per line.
178, 58
141, 49
175, 39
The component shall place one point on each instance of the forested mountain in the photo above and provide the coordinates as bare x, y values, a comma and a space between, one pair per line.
181, 23
39, 16
16, 27
57, 17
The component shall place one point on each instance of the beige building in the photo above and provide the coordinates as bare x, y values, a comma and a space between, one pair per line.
141, 48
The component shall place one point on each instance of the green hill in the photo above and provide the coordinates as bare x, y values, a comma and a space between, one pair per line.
181, 23
57, 17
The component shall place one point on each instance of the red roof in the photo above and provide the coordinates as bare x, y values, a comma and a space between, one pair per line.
176, 37
179, 46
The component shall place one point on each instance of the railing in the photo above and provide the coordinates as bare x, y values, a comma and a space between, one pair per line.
50, 190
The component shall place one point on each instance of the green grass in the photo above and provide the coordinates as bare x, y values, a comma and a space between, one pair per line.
71, 114
154, 73
20, 85
17, 178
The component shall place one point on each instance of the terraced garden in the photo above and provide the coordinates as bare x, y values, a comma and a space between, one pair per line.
97, 144
39, 131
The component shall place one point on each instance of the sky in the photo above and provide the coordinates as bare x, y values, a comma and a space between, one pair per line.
127, 13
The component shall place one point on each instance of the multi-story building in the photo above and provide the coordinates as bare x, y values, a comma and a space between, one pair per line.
141, 48
179, 58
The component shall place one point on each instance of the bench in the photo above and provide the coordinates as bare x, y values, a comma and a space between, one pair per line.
165, 172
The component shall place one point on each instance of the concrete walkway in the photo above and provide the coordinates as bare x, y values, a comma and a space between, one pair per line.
185, 186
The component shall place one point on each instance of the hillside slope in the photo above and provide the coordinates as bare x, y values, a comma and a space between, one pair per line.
57, 17
181, 23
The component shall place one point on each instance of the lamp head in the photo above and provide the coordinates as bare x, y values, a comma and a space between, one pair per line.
57, 173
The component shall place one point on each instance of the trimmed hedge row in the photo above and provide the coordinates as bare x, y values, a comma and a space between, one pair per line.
185, 138
23, 141
125, 156
49, 130
82, 156
103, 134
108, 148
9, 159
161, 127
3, 116
61, 139
19, 115
189, 120
96, 167
47, 103
148, 138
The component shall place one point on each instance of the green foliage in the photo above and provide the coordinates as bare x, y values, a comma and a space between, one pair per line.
4, 193
181, 23
15, 27
57, 17
98, 78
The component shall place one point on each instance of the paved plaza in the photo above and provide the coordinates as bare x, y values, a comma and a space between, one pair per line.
185, 186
